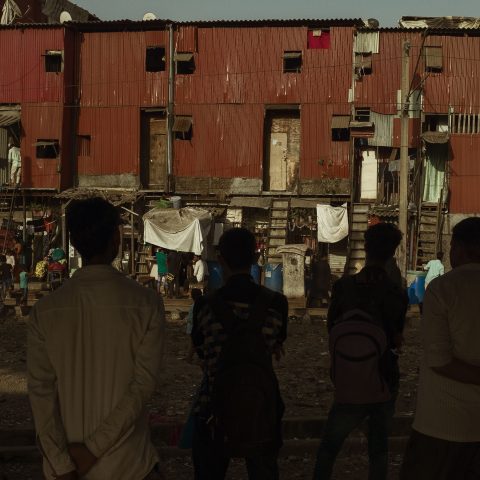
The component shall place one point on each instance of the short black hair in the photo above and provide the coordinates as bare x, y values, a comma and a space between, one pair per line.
467, 232
381, 241
92, 224
237, 247
440, 255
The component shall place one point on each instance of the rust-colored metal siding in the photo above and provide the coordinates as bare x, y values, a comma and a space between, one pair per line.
115, 140
22, 76
239, 73
464, 174
378, 90
41, 121
112, 66
458, 85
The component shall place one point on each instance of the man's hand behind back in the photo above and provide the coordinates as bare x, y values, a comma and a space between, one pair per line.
82, 457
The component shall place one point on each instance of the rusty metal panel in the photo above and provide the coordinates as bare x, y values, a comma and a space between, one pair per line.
41, 122
115, 140
113, 69
186, 39
378, 90
320, 156
227, 141
458, 84
23, 77
464, 174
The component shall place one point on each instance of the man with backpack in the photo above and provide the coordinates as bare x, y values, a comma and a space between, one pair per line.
236, 331
365, 325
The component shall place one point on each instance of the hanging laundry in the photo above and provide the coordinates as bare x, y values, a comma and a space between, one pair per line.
332, 223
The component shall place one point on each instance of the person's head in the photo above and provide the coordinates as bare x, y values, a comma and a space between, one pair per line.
236, 249
440, 256
196, 294
93, 227
465, 245
196, 258
381, 241
23, 268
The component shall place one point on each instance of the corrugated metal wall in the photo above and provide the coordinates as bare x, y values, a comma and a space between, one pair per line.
22, 76
3, 156
113, 70
40, 121
458, 85
465, 174
115, 140
239, 72
379, 89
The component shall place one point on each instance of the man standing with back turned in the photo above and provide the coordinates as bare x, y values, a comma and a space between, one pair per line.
365, 325
445, 440
94, 354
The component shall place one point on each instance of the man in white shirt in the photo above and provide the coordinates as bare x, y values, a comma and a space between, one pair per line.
94, 353
434, 268
445, 441
15, 163
200, 269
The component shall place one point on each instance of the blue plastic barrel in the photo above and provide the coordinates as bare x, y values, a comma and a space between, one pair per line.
215, 276
274, 276
416, 286
255, 272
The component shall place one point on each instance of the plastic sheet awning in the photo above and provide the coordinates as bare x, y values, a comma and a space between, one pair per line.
183, 230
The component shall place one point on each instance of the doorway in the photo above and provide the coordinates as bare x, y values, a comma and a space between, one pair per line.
282, 150
154, 150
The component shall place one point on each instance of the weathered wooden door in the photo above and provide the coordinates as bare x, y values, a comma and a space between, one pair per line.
369, 175
157, 149
282, 155
278, 161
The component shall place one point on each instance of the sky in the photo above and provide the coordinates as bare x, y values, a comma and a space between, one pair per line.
386, 11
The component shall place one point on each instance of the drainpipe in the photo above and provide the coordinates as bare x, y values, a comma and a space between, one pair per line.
170, 107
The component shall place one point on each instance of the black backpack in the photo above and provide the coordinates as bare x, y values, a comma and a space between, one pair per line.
358, 344
244, 396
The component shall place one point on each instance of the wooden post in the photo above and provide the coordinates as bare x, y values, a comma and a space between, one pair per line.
404, 160
132, 241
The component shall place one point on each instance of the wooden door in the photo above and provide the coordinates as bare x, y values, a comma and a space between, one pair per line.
278, 161
157, 150
369, 175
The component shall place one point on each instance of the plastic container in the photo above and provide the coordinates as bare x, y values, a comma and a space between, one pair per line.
215, 276
176, 202
274, 277
256, 272
415, 286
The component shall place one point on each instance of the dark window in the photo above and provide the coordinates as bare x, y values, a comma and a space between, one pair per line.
155, 59
83, 145
341, 128
363, 63
292, 62
318, 39
433, 59
47, 148
183, 128
53, 61
362, 115
185, 63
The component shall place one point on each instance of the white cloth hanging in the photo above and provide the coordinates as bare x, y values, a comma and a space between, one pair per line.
332, 223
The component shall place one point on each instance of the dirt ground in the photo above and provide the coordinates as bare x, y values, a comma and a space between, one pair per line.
303, 376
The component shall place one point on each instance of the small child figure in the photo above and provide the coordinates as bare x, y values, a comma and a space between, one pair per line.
195, 294
23, 276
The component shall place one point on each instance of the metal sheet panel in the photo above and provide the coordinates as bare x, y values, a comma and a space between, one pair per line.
113, 69
366, 42
3, 156
383, 130
378, 90
458, 85
115, 140
25, 79
41, 122
464, 174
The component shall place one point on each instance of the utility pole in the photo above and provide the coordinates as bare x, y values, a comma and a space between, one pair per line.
404, 159
170, 106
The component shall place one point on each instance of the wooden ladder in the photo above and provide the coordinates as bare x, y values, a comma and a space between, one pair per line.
428, 234
277, 229
356, 246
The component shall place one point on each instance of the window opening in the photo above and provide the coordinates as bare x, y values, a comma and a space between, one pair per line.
155, 59
292, 62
